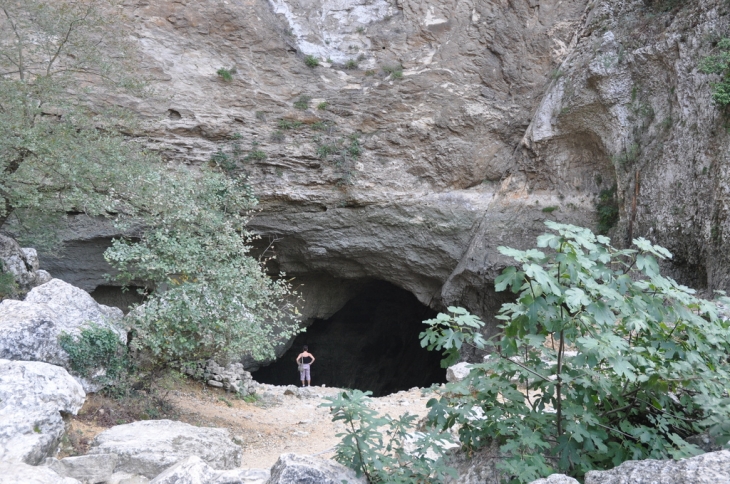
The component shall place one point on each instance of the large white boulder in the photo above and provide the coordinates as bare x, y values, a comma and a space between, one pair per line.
29, 329
295, 469
709, 468
458, 372
149, 447
12, 472
85, 468
32, 397
194, 470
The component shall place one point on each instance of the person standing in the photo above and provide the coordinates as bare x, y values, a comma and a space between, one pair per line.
305, 360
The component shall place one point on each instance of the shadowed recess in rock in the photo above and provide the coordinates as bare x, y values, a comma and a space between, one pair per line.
116, 297
370, 344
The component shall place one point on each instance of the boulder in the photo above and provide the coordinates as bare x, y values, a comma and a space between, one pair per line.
458, 372
193, 470
149, 447
295, 469
556, 479
710, 468
18, 472
22, 263
32, 397
86, 468
29, 329
126, 478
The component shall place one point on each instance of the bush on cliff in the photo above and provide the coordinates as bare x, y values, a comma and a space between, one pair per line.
65, 148
601, 360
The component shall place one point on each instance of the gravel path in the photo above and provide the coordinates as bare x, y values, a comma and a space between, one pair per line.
284, 419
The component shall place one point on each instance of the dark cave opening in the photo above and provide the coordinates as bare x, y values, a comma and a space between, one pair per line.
370, 344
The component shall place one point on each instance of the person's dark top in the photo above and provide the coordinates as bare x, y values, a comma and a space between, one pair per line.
306, 360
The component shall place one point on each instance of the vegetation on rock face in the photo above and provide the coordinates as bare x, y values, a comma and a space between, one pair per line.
607, 210
303, 102
8, 286
98, 355
719, 63
63, 150
311, 61
601, 360
226, 74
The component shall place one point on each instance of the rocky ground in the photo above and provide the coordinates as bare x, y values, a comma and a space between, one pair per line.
284, 419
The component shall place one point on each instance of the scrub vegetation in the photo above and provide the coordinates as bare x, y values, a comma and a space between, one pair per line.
64, 149
600, 360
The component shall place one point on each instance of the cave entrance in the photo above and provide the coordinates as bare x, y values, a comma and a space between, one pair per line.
370, 344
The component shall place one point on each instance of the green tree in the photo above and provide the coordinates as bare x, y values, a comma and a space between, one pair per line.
63, 149
601, 360
59, 151
208, 299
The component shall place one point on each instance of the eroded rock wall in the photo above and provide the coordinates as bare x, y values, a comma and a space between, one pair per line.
438, 142
475, 122
630, 101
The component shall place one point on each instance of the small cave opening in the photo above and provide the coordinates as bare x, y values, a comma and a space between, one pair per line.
370, 344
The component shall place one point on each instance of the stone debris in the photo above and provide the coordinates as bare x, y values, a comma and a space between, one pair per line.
296, 469
194, 470
458, 371
32, 397
149, 447
85, 468
29, 329
232, 377
710, 468
126, 478
14, 472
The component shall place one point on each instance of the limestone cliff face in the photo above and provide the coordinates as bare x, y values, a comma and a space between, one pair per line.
471, 116
631, 103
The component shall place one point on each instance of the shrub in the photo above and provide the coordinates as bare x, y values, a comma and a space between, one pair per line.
256, 155
629, 155
620, 362
324, 150
323, 106
354, 149
303, 102
607, 210
719, 63
98, 355
381, 456
395, 72
351, 64
278, 136
226, 74
311, 61
285, 124
319, 126
222, 160
550, 209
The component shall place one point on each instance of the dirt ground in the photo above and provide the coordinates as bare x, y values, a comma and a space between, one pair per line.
282, 420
